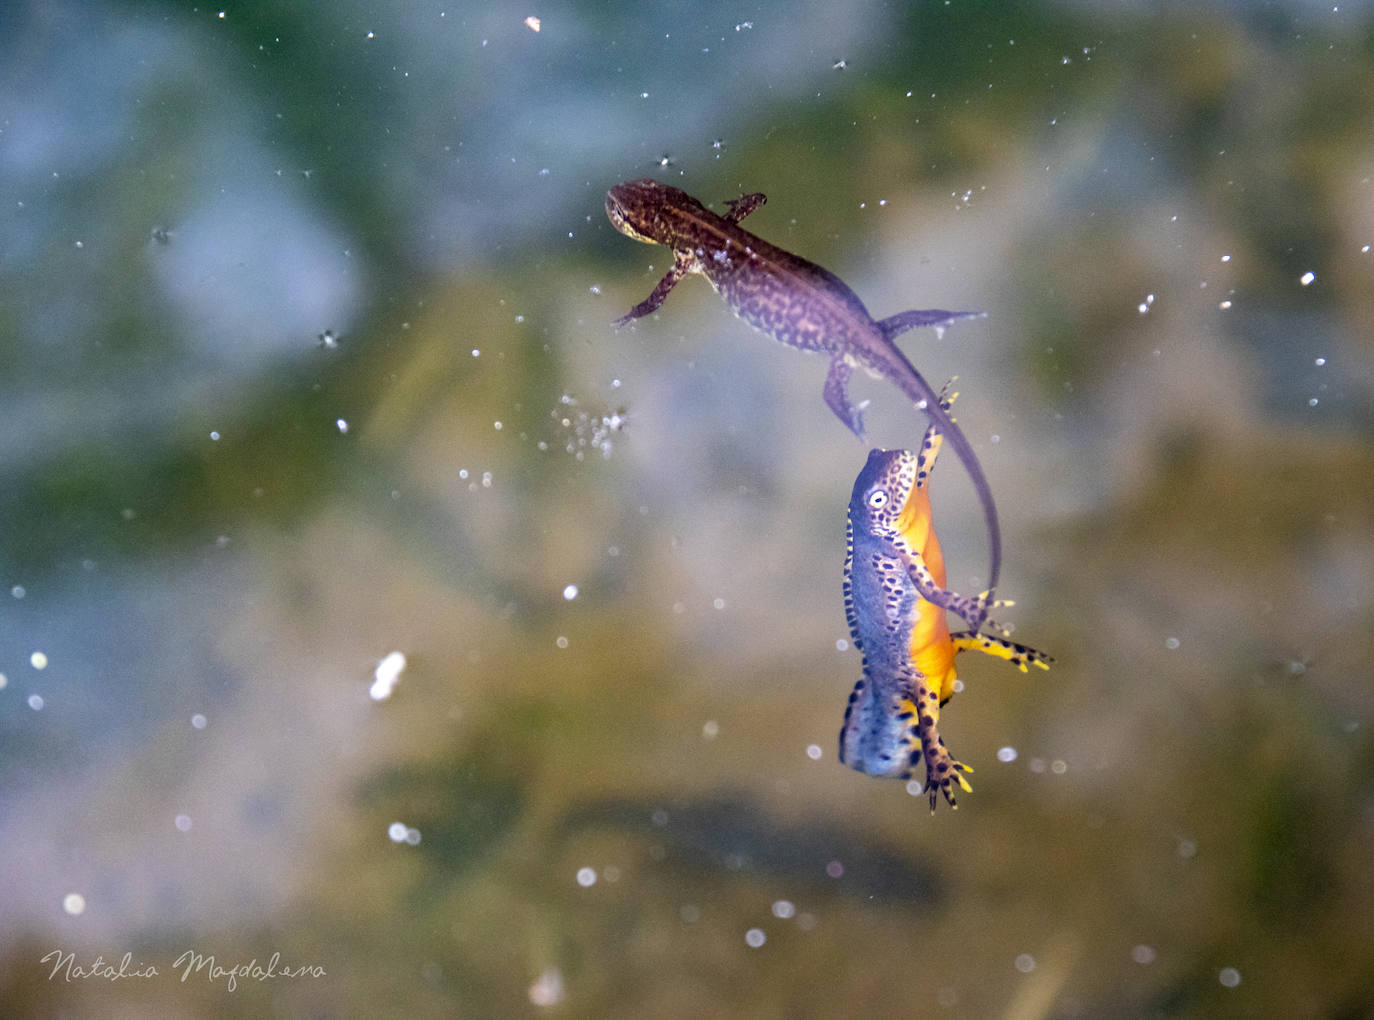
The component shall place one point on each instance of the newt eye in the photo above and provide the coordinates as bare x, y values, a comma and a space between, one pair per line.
877, 499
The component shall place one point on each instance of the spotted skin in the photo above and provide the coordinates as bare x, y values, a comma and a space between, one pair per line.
896, 603
794, 301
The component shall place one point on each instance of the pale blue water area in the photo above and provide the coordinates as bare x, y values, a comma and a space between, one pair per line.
368, 602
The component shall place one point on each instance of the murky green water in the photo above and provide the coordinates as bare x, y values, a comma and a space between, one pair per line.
306, 359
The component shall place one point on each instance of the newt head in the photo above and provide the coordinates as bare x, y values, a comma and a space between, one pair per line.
635, 208
882, 489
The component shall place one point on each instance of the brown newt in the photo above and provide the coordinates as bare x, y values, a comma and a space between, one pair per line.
895, 601
794, 301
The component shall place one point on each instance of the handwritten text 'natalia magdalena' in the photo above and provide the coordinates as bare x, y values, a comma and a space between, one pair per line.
191, 962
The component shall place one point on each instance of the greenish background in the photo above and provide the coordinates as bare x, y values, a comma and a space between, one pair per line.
213, 512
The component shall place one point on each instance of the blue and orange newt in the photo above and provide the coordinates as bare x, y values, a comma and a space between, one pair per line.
794, 301
895, 600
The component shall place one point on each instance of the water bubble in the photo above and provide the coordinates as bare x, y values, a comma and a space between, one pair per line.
183, 823
396, 832
834, 869
74, 903
1320, 362
1171, 643
18, 591
570, 592
586, 877
814, 752
387, 675
755, 937
710, 729
547, 990
1304, 279
718, 603
784, 909
4, 681
1006, 754
342, 425
1143, 954
36, 702
198, 721
561, 641
1025, 963
1229, 977
841, 645
38, 660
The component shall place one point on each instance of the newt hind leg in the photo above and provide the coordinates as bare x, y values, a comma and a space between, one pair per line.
744, 205
1020, 656
836, 395
942, 769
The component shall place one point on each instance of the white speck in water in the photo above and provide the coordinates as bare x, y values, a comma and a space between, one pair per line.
214, 436
561, 641
994, 439
1007, 754
74, 903
1171, 643
532, 23
1144, 306
570, 592
387, 674
198, 721
4, 681
586, 877
718, 603
834, 869
486, 479
1143, 954
1025, 963
477, 352
1304, 279
1187, 849
1320, 362
547, 989
841, 645
18, 591
38, 660
784, 909
396, 832
644, 95
342, 425
183, 823
462, 473
1229, 977
1364, 250
710, 729
1226, 258
36, 702
814, 752
497, 426
755, 937
1225, 306
413, 837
